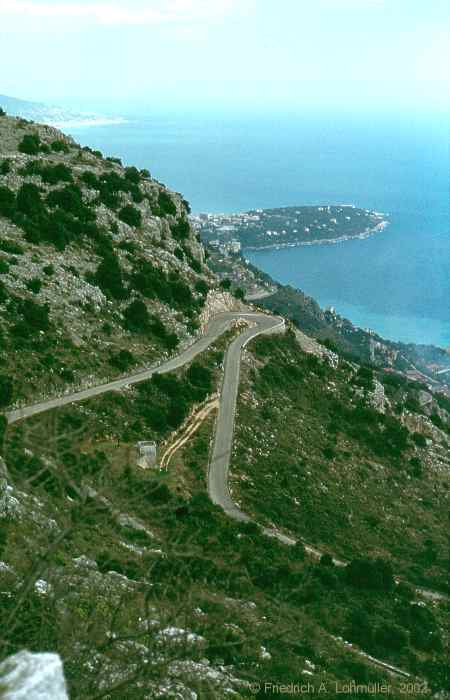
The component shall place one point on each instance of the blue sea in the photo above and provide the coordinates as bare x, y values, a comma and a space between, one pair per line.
396, 282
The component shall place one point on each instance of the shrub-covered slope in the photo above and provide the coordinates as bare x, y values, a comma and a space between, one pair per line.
99, 268
144, 588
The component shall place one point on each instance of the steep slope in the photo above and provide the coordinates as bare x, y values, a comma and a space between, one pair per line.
99, 268
142, 586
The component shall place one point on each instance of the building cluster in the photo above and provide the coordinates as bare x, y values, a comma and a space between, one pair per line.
226, 248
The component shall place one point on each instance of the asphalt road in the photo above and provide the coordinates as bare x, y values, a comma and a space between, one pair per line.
218, 488
218, 325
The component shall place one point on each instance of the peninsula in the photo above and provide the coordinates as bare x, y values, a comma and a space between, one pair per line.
288, 226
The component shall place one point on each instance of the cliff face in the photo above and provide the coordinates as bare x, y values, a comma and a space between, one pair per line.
100, 270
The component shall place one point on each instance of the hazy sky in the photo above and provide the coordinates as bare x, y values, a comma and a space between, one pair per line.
241, 52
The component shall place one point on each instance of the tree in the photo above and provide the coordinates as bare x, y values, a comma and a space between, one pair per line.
2, 112
225, 284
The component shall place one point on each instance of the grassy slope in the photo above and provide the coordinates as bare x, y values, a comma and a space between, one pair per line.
308, 459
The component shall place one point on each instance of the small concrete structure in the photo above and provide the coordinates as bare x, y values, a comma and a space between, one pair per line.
146, 454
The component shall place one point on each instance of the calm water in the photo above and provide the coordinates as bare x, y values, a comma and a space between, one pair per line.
397, 282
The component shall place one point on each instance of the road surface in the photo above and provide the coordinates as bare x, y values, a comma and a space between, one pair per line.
223, 440
218, 325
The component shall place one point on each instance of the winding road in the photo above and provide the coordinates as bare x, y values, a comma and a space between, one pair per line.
215, 328
218, 488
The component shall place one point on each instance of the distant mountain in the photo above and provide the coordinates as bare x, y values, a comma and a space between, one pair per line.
55, 116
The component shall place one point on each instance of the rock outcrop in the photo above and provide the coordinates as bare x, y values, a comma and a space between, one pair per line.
27, 676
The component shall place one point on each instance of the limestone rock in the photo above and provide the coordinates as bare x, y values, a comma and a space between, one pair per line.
27, 676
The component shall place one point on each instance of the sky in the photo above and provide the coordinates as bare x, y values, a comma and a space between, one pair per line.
237, 53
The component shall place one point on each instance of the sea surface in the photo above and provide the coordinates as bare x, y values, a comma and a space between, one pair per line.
396, 282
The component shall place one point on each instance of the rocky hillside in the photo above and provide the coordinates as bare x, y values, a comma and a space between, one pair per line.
100, 271
126, 572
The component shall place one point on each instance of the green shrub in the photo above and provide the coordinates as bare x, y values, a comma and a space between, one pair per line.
4, 267
5, 167
34, 285
201, 287
3, 293
131, 216
370, 574
35, 315
391, 636
90, 179
30, 144
419, 440
132, 174
122, 360
6, 390
51, 174
3, 429
201, 380
70, 199
59, 146
158, 329
364, 378
180, 230
108, 277
7, 202
166, 203
48, 270
29, 201
437, 421
178, 252
154, 283
137, 318
2, 112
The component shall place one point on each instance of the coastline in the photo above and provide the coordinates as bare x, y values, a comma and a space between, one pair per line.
323, 241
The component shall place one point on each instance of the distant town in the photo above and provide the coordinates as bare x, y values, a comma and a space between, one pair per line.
287, 227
